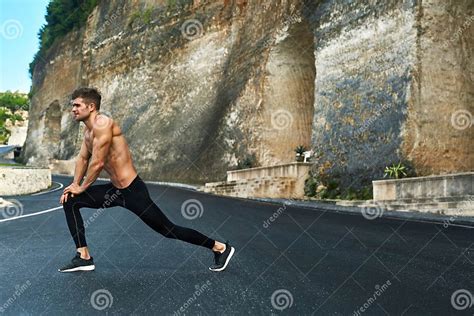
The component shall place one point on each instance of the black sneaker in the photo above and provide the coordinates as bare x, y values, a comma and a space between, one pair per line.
222, 259
78, 264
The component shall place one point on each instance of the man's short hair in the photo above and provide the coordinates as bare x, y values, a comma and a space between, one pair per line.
90, 95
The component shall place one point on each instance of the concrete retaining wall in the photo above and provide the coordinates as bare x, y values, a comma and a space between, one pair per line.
268, 187
296, 170
451, 185
16, 181
280, 181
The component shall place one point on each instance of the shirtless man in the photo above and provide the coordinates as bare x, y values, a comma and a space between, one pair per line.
104, 147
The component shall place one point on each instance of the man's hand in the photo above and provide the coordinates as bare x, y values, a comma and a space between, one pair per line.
63, 198
73, 189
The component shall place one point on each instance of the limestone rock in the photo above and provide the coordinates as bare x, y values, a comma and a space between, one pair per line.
197, 89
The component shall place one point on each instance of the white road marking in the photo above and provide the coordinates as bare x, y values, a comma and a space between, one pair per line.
49, 191
33, 214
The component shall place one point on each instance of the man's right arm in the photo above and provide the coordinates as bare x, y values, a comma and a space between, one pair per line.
82, 162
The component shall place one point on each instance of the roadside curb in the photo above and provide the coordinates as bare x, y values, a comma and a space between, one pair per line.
171, 184
446, 220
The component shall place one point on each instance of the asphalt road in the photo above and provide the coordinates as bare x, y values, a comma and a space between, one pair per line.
288, 260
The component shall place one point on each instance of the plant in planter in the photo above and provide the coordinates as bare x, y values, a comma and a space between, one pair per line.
299, 153
395, 171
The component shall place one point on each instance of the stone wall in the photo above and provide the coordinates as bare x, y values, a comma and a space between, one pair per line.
432, 187
16, 181
438, 133
53, 134
365, 55
389, 89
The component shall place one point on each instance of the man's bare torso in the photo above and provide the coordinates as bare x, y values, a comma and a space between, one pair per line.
118, 163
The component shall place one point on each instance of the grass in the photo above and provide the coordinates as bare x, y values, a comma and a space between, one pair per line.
12, 165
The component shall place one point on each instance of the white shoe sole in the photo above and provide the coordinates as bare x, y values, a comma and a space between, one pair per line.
232, 250
81, 268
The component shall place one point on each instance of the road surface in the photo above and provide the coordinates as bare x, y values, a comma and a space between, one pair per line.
288, 260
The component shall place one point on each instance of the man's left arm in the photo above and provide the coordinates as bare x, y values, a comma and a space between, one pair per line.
100, 150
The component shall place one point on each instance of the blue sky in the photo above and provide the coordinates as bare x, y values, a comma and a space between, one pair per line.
20, 21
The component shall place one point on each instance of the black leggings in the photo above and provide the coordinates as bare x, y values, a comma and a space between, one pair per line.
135, 198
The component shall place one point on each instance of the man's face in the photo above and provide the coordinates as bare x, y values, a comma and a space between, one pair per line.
81, 110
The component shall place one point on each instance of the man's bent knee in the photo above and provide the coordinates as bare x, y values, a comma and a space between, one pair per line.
69, 204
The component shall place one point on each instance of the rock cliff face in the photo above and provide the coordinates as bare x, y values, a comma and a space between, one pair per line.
195, 89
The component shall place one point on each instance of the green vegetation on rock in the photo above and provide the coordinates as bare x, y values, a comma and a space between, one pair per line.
9, 103
322, 186
14, 100
62, 16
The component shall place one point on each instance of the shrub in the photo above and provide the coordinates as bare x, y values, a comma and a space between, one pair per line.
332, 188
144, 17
395, 171
249, 161
62, 16
135, 16
300, 149
311, 184
147, 15
14, 100
4, 115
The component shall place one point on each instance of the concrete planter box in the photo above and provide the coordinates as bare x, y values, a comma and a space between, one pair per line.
296, 170
280, 181
23, 180
442, 186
